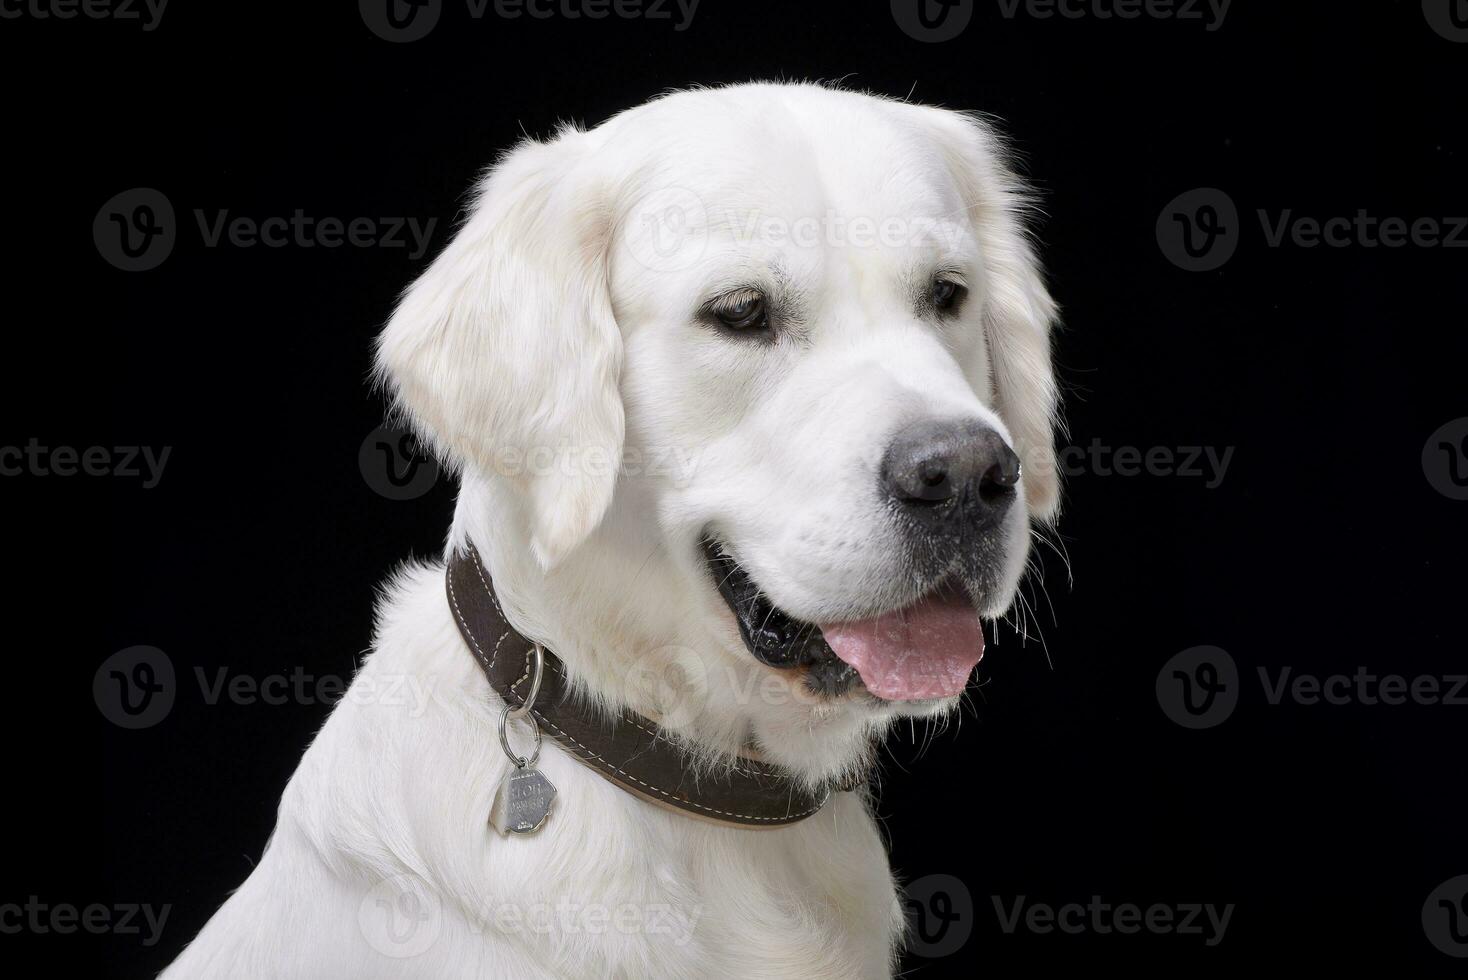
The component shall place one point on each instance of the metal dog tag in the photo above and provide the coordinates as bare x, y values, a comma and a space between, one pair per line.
525, 798
523, 802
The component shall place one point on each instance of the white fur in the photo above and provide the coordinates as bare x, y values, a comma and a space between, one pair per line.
554, 335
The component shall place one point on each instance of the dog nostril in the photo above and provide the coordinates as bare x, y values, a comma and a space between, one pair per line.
998, 480
1003, 474
923, 480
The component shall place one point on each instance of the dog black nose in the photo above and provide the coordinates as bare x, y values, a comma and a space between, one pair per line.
934, 461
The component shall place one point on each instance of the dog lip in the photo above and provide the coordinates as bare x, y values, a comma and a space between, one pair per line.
772, 636
779, 640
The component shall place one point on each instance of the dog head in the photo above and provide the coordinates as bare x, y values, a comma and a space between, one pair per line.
797, 337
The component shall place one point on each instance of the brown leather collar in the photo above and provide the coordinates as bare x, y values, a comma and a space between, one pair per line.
631, 750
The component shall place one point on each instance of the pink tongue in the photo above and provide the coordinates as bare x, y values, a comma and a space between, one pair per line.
924, 651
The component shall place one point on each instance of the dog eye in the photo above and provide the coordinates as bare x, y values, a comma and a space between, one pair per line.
744, 312
947, 294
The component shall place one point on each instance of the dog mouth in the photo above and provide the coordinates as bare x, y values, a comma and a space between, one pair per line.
922, 651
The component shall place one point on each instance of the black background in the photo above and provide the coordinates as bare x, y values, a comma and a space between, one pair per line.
1325, 370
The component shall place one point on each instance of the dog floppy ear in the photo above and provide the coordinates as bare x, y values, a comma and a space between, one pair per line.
505, 354
1018, 312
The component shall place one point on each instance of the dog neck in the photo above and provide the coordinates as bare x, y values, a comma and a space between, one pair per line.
629, 750
638, 631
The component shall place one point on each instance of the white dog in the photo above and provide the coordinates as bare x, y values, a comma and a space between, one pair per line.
738, 385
